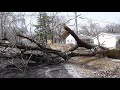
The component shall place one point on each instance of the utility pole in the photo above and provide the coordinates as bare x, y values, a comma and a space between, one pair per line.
30, 29
76, 23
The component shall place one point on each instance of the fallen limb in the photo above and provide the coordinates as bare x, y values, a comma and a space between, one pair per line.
79, 41
26, 47
40, 46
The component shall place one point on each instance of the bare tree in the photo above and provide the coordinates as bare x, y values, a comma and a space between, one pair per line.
58, 30
92, 30
53, 29
10, 24
112, 28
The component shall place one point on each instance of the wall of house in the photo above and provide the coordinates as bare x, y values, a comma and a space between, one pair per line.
70, 40
106, 41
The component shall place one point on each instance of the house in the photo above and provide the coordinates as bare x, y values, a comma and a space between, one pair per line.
70, 39
109, 40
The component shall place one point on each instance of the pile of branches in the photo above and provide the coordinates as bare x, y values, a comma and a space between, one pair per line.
48, 55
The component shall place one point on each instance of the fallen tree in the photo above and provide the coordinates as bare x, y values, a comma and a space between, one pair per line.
48, 55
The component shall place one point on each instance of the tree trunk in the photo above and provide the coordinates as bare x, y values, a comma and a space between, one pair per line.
79, 41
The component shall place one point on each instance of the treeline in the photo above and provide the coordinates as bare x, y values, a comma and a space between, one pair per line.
93, 29
48, 27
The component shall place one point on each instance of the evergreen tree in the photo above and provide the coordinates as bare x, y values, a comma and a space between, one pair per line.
43, 29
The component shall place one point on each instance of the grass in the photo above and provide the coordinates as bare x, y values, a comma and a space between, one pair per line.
97, 67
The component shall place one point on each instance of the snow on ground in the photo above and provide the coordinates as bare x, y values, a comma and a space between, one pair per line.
117, 60
76, 72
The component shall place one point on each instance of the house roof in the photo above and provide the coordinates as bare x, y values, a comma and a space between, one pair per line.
110, 34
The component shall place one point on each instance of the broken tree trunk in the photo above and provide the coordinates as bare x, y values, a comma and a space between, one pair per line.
79, 41
104, 51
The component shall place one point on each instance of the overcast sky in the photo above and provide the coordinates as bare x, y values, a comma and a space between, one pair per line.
103, 18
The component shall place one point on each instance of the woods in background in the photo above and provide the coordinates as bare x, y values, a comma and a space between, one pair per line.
46, 30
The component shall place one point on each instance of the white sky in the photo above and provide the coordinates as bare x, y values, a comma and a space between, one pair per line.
103, 18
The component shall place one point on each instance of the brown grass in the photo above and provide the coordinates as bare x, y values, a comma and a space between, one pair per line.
61, 47
97, 67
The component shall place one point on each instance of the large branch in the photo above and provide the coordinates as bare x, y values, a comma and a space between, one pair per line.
39, 45
79, 41
27, 47
44, 49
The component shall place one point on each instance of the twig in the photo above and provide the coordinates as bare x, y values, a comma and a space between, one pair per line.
15, 65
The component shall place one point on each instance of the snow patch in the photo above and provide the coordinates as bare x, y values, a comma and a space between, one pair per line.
117, 60
74, 71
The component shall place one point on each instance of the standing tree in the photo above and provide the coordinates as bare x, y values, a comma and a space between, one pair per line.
48, 28
43, 30
93, 29
57, 28
112, 28
10, 24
